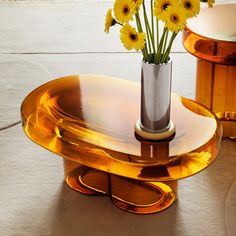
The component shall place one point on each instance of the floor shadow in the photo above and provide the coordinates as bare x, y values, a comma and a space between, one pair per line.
77, 214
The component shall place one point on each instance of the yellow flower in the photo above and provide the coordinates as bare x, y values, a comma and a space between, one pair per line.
192, 7
138, 3
160, 6
131, 39
110, 21
210, 3
124, 10
175, 18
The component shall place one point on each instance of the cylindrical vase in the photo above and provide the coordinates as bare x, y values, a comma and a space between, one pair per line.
155, 120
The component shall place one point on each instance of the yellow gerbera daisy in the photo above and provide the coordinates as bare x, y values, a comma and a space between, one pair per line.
131, 39
124, 10
160, 6
192, 7
110, 21
175, 18
138, 3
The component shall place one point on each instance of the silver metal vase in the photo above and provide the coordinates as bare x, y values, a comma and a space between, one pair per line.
155, 120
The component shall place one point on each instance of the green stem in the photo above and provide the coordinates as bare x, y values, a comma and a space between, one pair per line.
140, 29
159, 50
164, 47
167, 53
157, 42
139, 21
119, 23
152, 17
149, 33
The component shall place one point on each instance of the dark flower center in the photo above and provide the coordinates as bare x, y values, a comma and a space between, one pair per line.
126, 10
188, 5
165, 6
133, 37
174, 19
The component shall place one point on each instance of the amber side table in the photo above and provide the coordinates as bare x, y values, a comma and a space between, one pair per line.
89, 121
211, 37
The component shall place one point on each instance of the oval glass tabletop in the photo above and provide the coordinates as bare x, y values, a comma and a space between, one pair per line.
90, 120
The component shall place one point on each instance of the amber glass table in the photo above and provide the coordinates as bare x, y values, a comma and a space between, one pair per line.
211, 38
89, 121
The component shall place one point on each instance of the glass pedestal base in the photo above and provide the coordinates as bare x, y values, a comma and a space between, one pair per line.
130, 195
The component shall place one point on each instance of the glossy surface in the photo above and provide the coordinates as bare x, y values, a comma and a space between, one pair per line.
155, 96
216, 89
211, 36
130, 195
89, 120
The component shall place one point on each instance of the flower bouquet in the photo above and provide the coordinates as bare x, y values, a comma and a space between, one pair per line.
157, 23
147, 36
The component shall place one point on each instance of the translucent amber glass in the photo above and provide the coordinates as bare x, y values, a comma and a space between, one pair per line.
127, 194
216, 89
211, 37
90, 120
